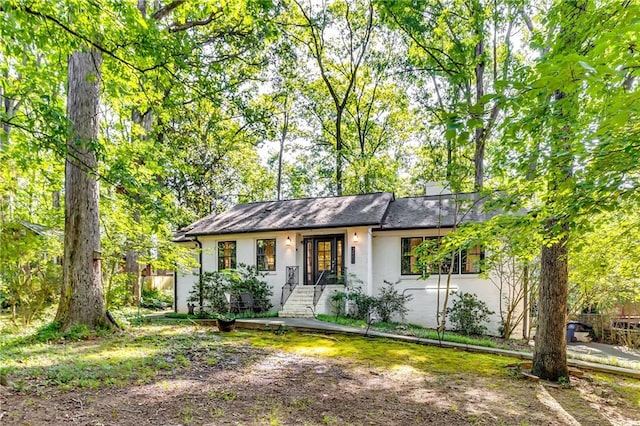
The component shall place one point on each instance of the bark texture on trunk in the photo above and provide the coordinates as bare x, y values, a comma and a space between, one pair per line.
81, 300
283, 139
550, 353
479, 139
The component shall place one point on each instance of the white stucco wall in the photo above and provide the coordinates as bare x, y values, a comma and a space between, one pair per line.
184, 282
245, 253
424, 304
360, 268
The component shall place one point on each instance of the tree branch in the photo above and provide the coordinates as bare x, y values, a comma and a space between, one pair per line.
175, 27
164, 11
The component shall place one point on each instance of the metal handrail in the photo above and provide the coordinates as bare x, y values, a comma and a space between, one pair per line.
290, 285
318, 286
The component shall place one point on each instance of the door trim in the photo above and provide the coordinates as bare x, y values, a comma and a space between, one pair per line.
310, 258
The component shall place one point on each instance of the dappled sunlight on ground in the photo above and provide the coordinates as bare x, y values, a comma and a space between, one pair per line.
194, 375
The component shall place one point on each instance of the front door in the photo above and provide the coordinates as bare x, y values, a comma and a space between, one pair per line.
323, 259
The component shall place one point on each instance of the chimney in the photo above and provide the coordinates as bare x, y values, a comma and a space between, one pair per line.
436, 188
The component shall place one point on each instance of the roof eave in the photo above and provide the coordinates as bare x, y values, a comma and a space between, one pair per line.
301, 228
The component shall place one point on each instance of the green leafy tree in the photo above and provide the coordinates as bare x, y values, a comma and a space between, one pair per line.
461, 60
29, 269
604, 264
567, 143
312, 26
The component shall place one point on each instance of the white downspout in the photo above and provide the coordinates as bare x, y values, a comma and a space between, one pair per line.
369, 262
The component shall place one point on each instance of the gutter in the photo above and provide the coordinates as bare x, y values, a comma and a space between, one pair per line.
175, 291
293, 229
199, 243
369, 262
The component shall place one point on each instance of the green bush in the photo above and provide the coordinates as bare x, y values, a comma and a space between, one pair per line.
354, 303
361, 305
211, 290
155, 299
390, 302
213, 286
247, 279
468, 313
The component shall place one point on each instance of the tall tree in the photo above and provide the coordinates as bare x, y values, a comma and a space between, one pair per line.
338, 66
451, 45
566, 135
81, 300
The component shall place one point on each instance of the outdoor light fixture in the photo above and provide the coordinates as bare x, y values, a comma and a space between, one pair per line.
288, 241
355, 237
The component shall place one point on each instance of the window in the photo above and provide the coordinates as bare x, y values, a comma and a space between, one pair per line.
468, 261
266, 255
226, 255
472, 259
409, 259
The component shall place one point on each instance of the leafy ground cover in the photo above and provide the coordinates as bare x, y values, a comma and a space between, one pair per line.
449, 336
428, 333
176, 373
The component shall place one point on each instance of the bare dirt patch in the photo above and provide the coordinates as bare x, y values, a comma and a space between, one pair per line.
245, 384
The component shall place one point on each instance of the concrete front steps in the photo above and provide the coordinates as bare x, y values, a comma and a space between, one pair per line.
299, 303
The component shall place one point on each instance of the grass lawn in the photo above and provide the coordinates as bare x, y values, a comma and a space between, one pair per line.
166, 373
426, 333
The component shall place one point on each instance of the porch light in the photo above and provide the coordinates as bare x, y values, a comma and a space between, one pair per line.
355, 237
288, 243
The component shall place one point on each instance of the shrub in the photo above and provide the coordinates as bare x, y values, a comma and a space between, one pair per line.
390, 302
213, 286
468, 313
155, 299
358, 305
247, 279
352, 302
361, 305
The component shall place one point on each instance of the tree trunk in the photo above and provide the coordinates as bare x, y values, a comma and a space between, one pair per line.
283, 138
81, 299
142, 127
339, 151
478, 157
8, 105
550, 353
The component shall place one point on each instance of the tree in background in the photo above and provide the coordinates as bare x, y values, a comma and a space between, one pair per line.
338, 60
451, 45
604, 263
133, 44
29, 268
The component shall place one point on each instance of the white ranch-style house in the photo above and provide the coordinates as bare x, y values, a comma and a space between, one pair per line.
307, 246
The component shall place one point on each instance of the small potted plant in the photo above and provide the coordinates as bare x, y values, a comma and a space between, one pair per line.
226, 323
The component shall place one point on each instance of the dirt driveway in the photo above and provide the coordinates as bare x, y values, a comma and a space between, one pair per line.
249, 385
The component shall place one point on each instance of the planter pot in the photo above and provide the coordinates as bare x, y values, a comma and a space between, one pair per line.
226, 325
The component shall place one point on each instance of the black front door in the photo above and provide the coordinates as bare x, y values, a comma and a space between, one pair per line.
323, 259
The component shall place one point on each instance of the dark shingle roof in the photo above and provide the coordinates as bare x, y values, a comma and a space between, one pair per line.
434, 211
308, 213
